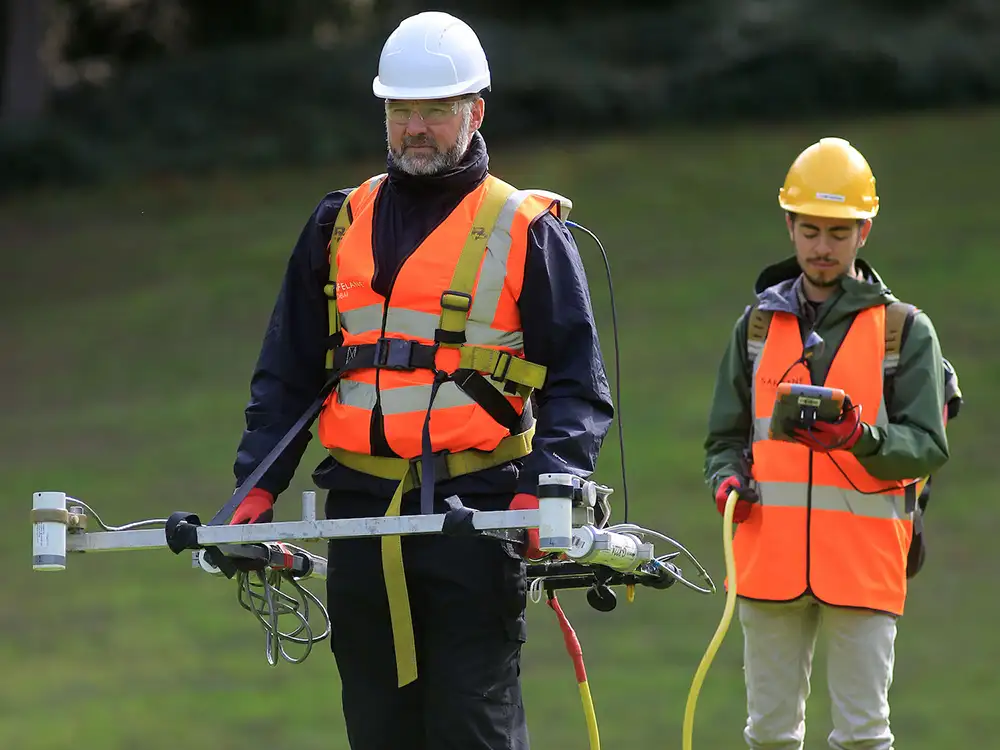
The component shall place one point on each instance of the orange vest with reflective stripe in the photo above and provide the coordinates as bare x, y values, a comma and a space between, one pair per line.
413, 313
813, 531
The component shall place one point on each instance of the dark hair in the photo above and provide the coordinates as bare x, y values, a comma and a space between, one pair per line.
792, 215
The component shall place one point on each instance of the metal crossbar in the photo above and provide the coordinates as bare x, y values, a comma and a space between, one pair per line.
270, 570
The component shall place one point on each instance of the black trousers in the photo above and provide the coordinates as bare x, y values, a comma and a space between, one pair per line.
467, 600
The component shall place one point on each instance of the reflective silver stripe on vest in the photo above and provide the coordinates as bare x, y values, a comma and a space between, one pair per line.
422, 325
493, 274
356, 394
362, 320
795, 495
404, 400
760, 427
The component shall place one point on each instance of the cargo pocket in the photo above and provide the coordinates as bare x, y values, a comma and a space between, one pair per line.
513, 592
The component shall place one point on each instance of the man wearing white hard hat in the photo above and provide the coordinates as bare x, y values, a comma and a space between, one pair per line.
448, 307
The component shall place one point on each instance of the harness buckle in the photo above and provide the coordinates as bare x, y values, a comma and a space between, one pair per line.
440, 462
393, 354
458, 301
501, 367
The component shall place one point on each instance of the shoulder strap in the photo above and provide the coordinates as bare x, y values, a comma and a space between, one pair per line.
517, 373
758, 323
513, 373
340, 227
898, 317
457, 300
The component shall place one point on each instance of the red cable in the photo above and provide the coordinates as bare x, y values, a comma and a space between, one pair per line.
572, 642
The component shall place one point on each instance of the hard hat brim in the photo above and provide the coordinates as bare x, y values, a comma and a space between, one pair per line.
474, 86
828, 209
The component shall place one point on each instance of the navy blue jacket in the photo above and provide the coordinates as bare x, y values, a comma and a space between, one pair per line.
574, 409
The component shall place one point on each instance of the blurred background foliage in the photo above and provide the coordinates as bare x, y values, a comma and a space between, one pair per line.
121, 87
158, 158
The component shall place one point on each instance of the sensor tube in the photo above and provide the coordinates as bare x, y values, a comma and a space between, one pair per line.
621, 552
555, 511
49, 520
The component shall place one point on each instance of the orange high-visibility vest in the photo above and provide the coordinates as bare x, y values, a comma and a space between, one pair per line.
813, 531
406, 328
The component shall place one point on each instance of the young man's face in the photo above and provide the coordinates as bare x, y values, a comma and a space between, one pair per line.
825, 247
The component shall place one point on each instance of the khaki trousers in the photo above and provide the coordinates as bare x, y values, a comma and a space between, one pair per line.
779, 642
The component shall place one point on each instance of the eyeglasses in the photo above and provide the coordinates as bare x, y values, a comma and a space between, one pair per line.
431, 112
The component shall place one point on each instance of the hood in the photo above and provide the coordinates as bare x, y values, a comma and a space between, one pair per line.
779, 289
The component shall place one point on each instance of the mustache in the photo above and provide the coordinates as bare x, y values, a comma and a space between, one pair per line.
418, 141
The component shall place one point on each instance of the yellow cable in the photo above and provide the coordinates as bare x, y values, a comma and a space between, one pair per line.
576, 653
588, 711
720, 631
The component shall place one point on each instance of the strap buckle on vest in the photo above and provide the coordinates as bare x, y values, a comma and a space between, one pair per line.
457, 301
441, 469
501, 366
393, 354
455, 308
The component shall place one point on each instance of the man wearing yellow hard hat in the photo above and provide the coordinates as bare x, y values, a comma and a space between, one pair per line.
827, 517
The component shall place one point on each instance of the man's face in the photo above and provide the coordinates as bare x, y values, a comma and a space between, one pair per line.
431, 136
826, 248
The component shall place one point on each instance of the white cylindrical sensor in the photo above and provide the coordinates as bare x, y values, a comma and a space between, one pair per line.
555, 511
621, 552
48, 520
308, 505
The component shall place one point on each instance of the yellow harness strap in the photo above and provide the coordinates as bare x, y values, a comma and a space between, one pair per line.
466, 462
457, 300
340, 227
503, 366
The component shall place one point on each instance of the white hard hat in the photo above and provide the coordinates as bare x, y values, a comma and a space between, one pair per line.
431, 55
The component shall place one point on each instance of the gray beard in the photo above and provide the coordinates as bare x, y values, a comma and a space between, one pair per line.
440, 161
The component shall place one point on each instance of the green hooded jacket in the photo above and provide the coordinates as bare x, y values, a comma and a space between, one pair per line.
914, 444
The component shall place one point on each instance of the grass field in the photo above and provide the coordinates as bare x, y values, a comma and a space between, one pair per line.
131, 320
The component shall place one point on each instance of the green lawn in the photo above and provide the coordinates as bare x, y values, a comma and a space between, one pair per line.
132, 317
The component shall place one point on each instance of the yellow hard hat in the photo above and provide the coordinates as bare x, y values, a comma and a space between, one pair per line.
830, 178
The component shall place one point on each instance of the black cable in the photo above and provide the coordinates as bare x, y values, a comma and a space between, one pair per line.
881, 490
803, 359
838, 446
618, 379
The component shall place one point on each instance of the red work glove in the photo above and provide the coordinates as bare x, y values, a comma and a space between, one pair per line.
524, 501
256, 507
746, 500
832, 436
